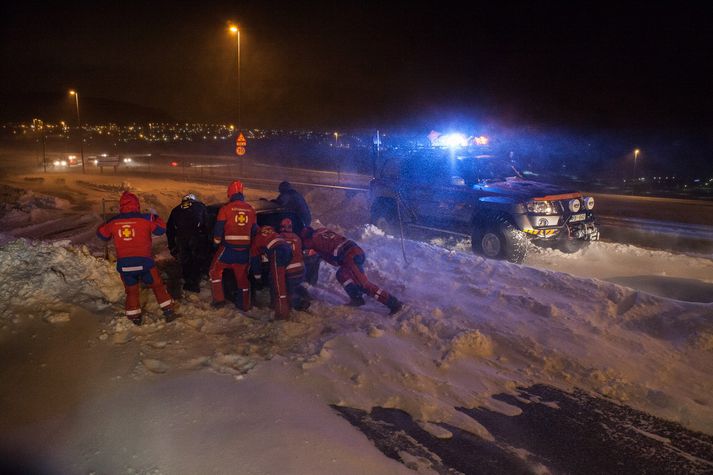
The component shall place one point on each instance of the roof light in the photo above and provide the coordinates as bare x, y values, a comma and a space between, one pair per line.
453, 140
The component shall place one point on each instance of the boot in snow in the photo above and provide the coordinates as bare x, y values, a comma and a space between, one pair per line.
356, 301
394, 305
169, 315
192, 287
138, 320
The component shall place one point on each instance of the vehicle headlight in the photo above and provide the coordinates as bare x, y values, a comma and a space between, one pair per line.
575, 205
55, 163
540, 207
589, 202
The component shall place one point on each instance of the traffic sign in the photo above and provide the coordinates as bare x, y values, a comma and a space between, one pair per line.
240, 151
240, 140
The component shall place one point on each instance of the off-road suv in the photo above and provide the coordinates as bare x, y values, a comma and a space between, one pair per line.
483, 196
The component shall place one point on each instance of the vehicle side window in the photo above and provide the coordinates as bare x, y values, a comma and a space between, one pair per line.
425, 171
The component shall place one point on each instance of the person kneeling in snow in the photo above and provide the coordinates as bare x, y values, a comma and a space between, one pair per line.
349, 257
131, 231
279, 254
296, 287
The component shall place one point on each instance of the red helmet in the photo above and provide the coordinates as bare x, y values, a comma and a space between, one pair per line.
235, 187
128, 203
286, 225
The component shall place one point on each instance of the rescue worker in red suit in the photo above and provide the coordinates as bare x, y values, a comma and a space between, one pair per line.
131, 231
279, 255
295, 270
344, 253
235, 226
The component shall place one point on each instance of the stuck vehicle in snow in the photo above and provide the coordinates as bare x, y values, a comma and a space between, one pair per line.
483, 196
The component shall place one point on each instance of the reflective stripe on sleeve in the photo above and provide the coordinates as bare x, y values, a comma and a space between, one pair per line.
269, 245
294, 266
337, 249
349, 281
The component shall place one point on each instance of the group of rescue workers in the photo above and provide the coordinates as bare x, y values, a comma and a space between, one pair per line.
274, 257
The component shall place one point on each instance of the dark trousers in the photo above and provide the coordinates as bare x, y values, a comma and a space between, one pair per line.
193, 256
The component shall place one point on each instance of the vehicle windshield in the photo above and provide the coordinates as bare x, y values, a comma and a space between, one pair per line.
486, 168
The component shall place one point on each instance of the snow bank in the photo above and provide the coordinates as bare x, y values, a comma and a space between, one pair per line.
24, 207
475, 327
42, 279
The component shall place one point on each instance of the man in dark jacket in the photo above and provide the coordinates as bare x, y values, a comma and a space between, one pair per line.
188, 241
291, 199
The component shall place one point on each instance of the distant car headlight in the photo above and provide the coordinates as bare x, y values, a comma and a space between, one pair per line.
589, 202
575, 205
540, 207
127, 160
55, 163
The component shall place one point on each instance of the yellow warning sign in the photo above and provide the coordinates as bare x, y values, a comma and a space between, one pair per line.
240, 140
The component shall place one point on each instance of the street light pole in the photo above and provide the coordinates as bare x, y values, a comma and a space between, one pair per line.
636, 155
236, 31
81, 132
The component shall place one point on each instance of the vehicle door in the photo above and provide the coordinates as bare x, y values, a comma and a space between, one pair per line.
432, 187
421, 184
462, 195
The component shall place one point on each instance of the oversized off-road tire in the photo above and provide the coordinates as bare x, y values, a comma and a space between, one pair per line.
385, 216
570, 245
497, 238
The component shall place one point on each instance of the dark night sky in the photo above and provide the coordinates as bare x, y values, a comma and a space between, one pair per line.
339, 64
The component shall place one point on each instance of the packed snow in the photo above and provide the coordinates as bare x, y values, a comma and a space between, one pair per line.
220, 389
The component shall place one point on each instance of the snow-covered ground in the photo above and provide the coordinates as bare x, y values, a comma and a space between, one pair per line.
221, 391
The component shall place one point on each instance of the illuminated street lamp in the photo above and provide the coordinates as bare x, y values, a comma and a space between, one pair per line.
234, 30
336, 139
79, 123
636, 156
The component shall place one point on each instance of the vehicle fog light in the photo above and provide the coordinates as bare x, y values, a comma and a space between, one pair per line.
589, 202
574, 205
542, 222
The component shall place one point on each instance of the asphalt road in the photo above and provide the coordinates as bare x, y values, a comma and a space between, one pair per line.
558, 431
673, 224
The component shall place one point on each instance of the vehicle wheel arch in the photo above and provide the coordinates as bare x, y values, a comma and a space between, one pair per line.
496, 236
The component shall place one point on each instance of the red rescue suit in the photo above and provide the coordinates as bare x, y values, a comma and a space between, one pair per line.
295, 271
349, 257
279, 254
131, 231
235, 226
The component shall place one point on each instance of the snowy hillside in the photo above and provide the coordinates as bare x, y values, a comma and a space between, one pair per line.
472, 328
